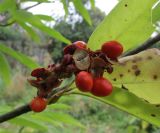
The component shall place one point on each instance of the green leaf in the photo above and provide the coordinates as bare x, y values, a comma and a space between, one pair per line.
45, 17
36, 22
64, 118
27, 61
65, 6
92, 3
5, 71
7, 5
45, 118
3, 6
129, 23
130, 103
4, 109
59, 106
139, 74
32, 33
5, 131
155, 13
23, 121
82, 10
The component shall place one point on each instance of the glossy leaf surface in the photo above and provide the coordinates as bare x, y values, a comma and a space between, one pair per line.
129, 23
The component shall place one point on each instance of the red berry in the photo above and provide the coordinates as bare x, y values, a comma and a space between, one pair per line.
112, 49
38, 104
101, 87
80, 44
84, 81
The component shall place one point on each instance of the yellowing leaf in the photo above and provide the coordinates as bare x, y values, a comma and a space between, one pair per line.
140, 75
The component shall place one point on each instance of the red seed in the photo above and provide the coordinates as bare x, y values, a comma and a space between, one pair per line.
38, 104
101, 87
80, 44
112, 49
84, 81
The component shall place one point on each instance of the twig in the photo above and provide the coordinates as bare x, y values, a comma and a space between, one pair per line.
14, 113
10, 23
7, 24
32, 6
145, 45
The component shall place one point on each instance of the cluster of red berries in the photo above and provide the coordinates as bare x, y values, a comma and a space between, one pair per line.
96, 84
87, 65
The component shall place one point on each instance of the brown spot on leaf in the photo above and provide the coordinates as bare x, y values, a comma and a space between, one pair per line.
139, 58
149, 57
134, 67
137, 72
126, 5
125, 88
109, 69
129, 70
158, 105
134, 60
155, 77
122, 63
114, 79
121, 75
146, 101
153, 115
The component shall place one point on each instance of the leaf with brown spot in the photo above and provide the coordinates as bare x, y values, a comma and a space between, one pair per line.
143, 80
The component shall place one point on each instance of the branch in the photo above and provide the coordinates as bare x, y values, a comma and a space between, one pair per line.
32, 6
7, 24
14, 113
150, 42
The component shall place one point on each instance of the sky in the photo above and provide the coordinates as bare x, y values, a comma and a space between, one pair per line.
56, 7
106, 5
